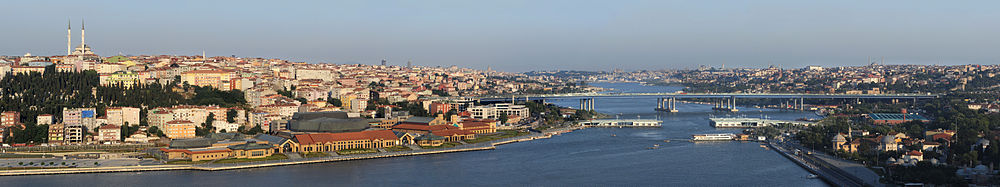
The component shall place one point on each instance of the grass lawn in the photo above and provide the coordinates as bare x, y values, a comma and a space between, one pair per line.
500, 135
276, 156
314, 154
397, 148
355, 151
188, 162
11, 155
27, 168
444, 145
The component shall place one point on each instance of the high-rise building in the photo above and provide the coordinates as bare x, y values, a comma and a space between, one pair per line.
80, 116
383, 62
56, 134
123, 115
10, 118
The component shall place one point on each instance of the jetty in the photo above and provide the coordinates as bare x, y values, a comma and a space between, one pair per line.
621, 123
752, 122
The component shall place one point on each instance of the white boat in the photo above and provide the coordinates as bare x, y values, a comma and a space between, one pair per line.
713, 137
811, 176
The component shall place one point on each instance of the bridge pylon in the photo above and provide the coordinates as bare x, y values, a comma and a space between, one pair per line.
666, 104
587, 104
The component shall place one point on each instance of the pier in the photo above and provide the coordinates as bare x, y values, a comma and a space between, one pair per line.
752, 122
620, 123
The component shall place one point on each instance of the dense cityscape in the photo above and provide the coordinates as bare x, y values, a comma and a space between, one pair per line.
523, 100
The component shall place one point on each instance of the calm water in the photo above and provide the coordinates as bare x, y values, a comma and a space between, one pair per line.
589, 157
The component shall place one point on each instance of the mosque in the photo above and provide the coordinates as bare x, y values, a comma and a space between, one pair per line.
83, 48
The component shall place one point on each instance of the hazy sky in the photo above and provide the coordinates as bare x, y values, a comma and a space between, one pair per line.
522, 35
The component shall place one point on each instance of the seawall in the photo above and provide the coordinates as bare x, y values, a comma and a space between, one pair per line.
217, 167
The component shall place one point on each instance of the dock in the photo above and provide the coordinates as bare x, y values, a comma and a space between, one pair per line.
621, 123
753, 122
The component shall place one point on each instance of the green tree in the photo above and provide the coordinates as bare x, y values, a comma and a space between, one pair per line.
334, 101
155, 131
231, 115
255, 130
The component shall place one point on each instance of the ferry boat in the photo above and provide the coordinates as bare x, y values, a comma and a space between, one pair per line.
713, 137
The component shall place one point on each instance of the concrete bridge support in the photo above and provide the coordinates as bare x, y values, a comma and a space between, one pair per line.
666, 104
587, 104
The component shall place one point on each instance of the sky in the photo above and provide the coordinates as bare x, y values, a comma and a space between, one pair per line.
522, 35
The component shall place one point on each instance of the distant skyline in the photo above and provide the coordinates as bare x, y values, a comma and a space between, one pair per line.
522, 35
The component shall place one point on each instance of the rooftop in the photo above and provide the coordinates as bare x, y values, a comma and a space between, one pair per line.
895, 116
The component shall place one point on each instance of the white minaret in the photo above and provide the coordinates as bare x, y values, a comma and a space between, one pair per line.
69, 37
83, 33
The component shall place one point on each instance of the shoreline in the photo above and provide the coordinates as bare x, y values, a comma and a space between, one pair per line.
491, 145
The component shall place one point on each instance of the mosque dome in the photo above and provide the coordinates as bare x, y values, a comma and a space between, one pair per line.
839, 138
888, 140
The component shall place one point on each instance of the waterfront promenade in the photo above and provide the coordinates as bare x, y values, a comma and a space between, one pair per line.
216, 167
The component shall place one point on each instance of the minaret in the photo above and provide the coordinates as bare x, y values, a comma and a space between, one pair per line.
83, 34
69, 37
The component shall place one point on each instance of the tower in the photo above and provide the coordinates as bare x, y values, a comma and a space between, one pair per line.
69, 37
409, 63
83, 33
383, 62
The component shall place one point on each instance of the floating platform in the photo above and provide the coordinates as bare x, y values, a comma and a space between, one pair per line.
620, 123
752, 122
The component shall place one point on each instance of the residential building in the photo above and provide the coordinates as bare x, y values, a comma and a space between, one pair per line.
80, 116
123, 115
56, 134
219, 79
180, 129
124, 79
109, 134
496, 110
10, 118
44, 119
74, 133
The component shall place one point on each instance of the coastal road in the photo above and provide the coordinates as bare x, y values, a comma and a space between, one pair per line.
843, 169
828, 173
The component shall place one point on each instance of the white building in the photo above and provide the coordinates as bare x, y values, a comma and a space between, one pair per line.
496, 110
221, 125
123, 115
44, 119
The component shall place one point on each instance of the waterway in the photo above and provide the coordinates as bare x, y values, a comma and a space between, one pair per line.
588, 157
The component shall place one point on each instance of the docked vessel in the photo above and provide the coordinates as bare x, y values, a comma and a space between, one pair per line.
713, 137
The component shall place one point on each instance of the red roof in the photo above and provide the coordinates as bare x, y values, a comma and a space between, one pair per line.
206, 71
944, 136
179, 122
452, 132
194, 152
344, 136
111, 126
441, 127
473, 124
409, 126
915, 153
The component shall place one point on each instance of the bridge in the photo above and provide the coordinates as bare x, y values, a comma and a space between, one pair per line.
666, 102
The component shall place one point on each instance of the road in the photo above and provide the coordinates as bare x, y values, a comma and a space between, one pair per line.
842, 170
